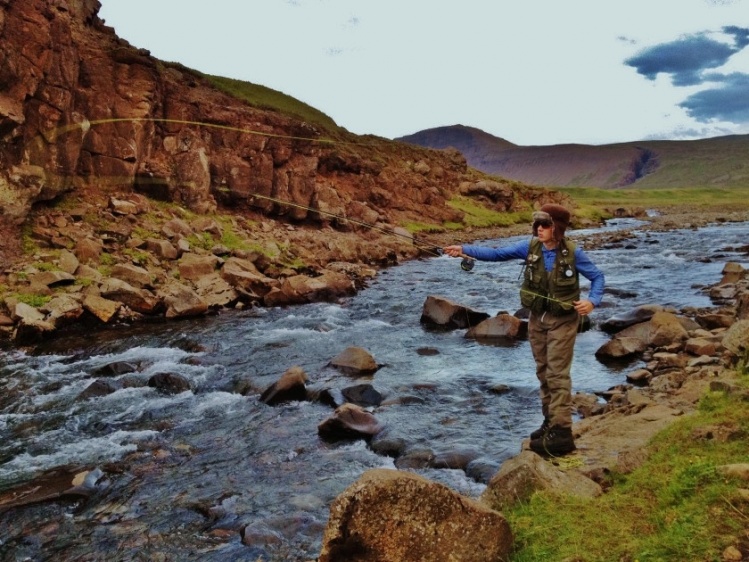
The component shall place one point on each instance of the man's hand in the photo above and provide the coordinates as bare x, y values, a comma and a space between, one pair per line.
583, 307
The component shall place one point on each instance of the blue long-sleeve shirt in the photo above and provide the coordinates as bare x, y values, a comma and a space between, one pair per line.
520, 250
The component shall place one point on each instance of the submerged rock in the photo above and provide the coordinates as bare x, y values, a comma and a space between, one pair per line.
439, 312
349, 422
355, 361
290, 387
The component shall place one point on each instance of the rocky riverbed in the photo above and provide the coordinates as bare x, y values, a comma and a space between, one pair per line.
681, 349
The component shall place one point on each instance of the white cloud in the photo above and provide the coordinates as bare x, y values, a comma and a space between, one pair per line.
533, 72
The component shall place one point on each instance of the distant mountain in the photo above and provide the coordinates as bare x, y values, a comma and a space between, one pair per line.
718, 162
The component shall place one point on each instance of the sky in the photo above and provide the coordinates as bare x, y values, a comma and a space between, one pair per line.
533, 72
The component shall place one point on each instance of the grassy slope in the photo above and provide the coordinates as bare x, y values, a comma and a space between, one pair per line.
678, 506
706, 163
267, 98
714, 162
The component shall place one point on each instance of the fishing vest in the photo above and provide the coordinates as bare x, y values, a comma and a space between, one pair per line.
562, 283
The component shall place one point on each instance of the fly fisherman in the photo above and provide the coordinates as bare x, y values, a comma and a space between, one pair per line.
551, 290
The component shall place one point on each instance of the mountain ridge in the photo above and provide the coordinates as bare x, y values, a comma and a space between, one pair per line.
718, 161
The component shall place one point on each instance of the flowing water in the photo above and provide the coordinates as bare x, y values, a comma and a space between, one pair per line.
182, 474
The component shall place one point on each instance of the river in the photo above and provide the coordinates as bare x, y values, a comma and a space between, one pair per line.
182, 474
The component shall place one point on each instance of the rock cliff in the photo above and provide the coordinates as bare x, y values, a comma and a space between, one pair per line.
104, 149
81, 108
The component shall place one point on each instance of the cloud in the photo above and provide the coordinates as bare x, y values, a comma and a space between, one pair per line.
684, 59
691, 61
728, 102
740, 35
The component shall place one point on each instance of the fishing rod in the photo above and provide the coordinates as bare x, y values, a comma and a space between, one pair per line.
466, 263
430, 249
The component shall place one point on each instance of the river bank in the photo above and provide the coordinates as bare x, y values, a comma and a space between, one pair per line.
137, 261
193, 469
687, 353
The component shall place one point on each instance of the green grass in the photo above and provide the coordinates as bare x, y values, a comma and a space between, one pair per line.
699, 196
675, 507
32, 299
267, 98
415, 227
479, 216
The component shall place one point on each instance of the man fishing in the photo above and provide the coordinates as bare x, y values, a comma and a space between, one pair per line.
551, 291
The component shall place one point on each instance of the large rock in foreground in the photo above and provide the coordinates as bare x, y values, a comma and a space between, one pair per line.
394, 515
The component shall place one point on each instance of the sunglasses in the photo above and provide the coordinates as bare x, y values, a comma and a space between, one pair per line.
546, 223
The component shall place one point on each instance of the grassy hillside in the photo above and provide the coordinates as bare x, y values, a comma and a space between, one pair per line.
719, 162
267, 98
678, 506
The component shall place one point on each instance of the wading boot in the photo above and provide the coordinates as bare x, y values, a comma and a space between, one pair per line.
541, 431
556, 442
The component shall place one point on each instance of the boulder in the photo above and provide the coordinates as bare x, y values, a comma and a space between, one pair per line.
54, 485
52, 278
115, 369
103, 309
355, 361
665, 329
501, 194
63, 310
134, 275
635, 316
100, 387
139, 300
701, 346
712, 320
207, 224
439, 312
662, 330
736, 338
349, 422
243, 275
68, 262
194, 266
31, 325
364, 395
521, 476
401, 516
742, 305
498, 327
162, 248
300, 289
621, 347
169, 383
216, 292
290, 387
732, 273
88, 251
176, 227
122, 207
181, 301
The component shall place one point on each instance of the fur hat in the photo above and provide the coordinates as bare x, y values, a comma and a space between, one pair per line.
560, 216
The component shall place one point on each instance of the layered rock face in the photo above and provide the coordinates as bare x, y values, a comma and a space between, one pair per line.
82, 108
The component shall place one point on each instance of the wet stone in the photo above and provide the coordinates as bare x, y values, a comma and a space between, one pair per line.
362, 395
169, 383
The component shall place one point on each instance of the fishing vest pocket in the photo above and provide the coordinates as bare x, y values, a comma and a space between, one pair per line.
533, 284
